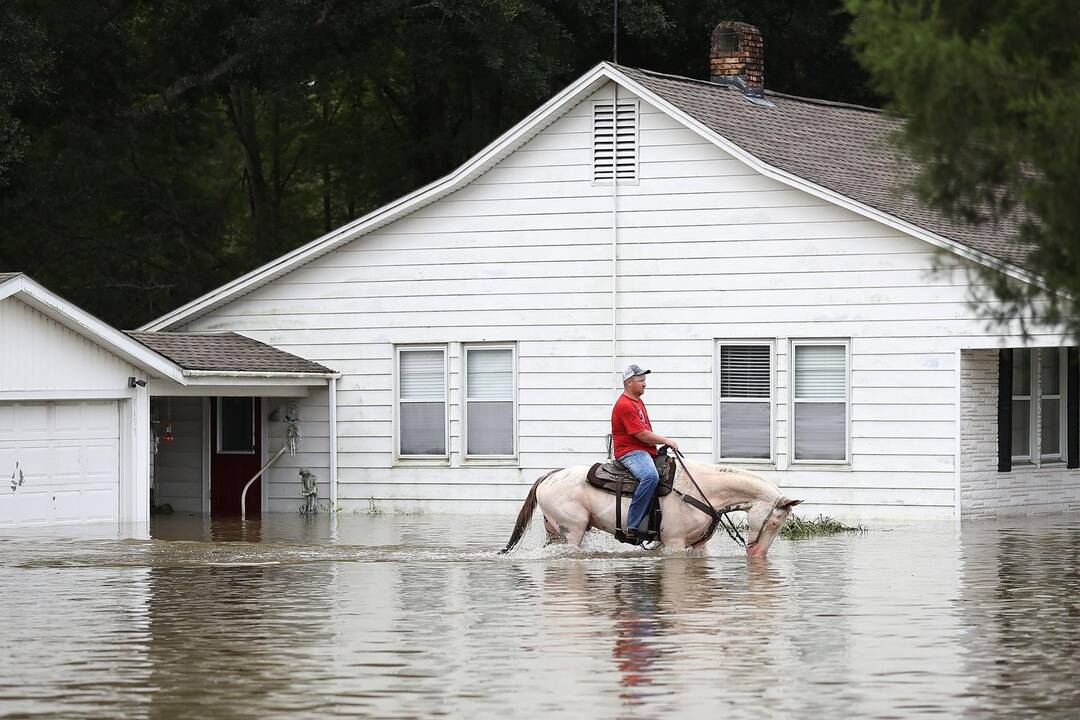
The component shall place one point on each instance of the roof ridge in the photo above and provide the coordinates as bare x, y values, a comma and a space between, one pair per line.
774, 93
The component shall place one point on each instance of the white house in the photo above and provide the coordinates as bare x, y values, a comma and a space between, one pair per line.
77, 420
802, 316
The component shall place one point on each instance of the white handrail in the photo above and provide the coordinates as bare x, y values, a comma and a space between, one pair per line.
243, 495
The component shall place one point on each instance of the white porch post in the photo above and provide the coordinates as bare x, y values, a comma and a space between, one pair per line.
958, 448
332, 404
135, 461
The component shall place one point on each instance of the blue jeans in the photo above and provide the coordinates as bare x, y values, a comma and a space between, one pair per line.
642, 466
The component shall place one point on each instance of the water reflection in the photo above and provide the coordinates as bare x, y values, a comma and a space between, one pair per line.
409, 617
1020, 605
638, 625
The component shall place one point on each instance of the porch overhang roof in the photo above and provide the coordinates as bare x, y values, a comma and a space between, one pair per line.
231, 358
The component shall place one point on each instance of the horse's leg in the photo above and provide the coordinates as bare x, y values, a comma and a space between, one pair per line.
674, 542
566, 516
699, 546
552, 533
574, 535
568, 524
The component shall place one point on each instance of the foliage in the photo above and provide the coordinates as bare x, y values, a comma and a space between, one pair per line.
796, 528
24, 72
150, 152
991, 91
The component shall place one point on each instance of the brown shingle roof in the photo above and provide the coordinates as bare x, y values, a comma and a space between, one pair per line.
225, 352
844, 148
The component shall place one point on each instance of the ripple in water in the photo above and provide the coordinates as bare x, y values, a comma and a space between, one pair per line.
410, 616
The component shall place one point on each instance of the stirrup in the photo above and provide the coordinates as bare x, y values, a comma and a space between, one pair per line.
639, 537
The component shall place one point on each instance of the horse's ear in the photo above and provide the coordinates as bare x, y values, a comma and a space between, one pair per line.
786, 504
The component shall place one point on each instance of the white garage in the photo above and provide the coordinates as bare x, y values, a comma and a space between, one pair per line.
65, 457
74, 412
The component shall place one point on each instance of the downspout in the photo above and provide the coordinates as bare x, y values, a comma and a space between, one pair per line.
614, 237
332, 405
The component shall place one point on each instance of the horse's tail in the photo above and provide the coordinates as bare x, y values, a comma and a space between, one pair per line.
525, 515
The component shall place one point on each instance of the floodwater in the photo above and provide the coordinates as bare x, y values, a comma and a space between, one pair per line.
417, 616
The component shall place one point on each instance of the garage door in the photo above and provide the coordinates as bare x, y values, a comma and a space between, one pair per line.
68, 454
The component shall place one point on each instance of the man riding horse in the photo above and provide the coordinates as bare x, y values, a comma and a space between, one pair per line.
635, 447
697, 504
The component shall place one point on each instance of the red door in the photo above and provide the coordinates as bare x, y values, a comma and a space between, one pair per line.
235, 454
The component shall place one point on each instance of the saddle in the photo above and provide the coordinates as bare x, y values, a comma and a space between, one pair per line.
613, 477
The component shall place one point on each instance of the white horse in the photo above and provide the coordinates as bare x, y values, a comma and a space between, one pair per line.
571, 506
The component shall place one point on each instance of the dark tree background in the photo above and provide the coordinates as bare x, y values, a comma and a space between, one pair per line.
151, 151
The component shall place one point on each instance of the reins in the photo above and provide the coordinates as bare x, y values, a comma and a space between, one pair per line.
719, 517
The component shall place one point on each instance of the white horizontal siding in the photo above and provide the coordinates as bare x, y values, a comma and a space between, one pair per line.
178, 465
281, 483
39, 354
708, 249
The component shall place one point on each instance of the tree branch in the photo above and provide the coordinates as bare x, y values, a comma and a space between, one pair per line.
158, 102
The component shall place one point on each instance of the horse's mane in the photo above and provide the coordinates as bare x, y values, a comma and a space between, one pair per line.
744, 474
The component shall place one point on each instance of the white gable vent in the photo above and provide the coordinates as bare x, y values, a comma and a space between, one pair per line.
615, 142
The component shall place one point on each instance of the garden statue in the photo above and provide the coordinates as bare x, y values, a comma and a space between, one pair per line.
309, 490
292, 430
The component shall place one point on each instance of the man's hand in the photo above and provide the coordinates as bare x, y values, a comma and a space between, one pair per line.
650, 438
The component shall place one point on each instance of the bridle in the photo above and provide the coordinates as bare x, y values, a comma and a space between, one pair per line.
719, 517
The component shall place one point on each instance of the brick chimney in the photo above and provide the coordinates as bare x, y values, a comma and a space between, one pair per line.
737, 57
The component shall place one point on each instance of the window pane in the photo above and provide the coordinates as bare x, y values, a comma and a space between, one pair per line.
820, 372
490, 374
744, 371
491, 428
237, 425
744, 430
1050, 371
423, 375
1021, 372
1021, 427
820, 431
1051, 427
423, 428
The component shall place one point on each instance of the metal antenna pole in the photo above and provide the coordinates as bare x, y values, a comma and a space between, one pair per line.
615, 34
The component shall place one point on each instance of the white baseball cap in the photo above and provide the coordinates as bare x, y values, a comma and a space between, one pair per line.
632, 370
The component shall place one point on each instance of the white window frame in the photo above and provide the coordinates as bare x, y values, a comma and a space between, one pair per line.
1062, 397
1033, 424
615, 142
846, 343
465, 348
254, 422
717, 419
398, 350
1035, 417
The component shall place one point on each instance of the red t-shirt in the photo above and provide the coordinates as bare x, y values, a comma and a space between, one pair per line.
629, 416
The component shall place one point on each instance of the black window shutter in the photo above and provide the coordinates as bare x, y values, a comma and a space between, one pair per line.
1072, 408
1005, 373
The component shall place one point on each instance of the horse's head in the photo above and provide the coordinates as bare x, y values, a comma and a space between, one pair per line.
764, 520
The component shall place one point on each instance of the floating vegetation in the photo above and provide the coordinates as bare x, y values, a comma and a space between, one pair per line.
797, 528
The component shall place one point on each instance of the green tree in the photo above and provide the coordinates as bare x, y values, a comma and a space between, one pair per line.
162, 149
991, 94
25, 63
